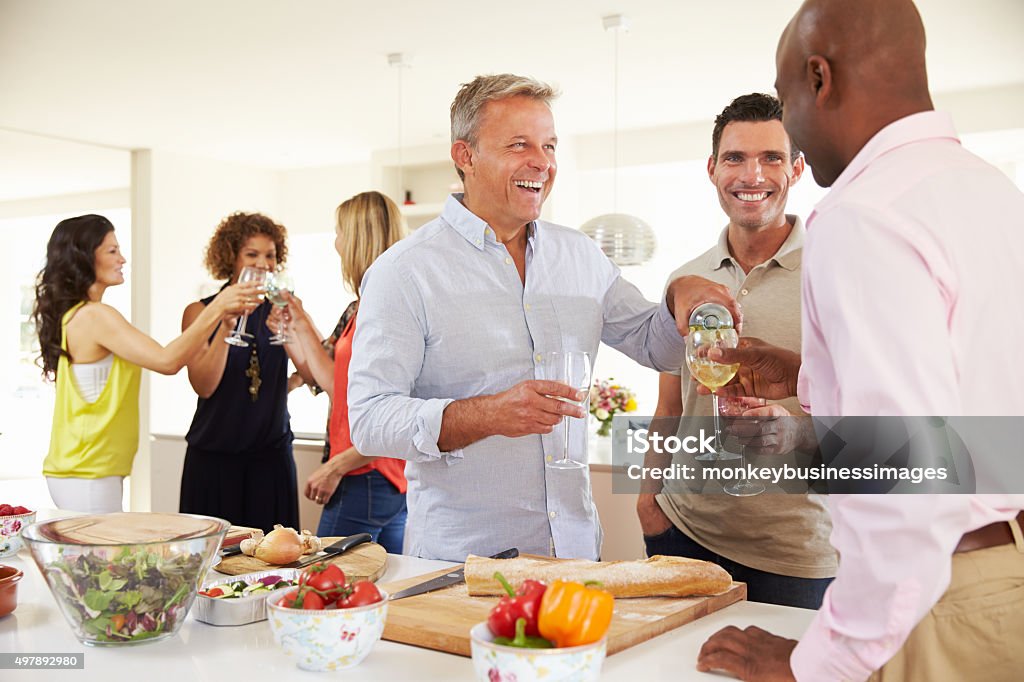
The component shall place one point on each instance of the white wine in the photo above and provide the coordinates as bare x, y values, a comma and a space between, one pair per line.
714, 375
276, 297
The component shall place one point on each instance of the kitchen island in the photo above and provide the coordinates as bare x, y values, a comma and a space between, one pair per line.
218, 654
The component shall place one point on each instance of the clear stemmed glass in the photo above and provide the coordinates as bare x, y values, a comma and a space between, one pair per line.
279, 282
573, 368
733, 410
712, 374
239, 335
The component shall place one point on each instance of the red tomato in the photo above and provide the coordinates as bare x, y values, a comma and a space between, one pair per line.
213, 592
324, 577
303, 599
363, 592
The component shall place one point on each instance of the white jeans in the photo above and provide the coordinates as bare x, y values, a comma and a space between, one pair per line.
89, 495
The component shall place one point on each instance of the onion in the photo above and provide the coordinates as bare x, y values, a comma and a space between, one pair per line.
280, 546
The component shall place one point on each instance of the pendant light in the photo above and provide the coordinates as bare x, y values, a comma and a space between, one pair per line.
624, 238
399, 62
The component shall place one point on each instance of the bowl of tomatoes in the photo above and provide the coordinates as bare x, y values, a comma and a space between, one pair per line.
327, 623
12, 521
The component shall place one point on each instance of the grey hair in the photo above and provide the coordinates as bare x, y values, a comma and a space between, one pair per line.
469, 102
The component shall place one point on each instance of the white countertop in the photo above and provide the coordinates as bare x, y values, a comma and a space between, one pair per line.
208, 653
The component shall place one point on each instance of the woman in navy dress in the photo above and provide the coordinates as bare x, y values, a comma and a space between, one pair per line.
239, 464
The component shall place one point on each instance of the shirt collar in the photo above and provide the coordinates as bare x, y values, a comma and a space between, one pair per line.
924, 125
474, 229
788, 255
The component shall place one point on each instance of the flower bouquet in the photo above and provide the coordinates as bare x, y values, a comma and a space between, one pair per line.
608, 398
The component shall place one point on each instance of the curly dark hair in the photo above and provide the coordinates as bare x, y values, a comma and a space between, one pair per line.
755, 107
231, 235
65, 280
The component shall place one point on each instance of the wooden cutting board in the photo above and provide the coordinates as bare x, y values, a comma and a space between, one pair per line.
363, 562
441, 620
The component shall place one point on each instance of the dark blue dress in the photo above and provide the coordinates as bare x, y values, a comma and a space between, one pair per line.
239, 464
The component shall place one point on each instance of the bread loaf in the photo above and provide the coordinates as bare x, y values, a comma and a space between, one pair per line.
659, 576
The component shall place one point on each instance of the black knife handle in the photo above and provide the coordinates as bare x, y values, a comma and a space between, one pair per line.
351, 541
507, 554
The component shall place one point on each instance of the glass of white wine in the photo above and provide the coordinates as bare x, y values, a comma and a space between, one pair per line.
239, 337
711, 327
568, 367
279, 282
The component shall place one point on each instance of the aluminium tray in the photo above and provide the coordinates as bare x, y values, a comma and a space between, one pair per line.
239, 610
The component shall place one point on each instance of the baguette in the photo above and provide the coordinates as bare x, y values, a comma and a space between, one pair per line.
659, 576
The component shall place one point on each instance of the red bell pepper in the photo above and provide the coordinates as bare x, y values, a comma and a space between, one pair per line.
522, 604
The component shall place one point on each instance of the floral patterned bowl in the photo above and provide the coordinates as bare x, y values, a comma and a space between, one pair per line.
10, 532
497, 663
331, 639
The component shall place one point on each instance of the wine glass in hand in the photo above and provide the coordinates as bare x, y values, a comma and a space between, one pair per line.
712, 374
572, 368
279, 283
734, 410
239, 336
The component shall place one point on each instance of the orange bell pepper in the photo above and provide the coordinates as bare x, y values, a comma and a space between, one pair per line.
572, 614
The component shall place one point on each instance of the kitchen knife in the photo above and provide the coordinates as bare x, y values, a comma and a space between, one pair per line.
454, 577
232, 550
330, 550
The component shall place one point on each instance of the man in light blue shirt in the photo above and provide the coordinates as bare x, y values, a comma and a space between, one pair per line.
453, 321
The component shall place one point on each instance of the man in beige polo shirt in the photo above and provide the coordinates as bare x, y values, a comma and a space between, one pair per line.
776, 543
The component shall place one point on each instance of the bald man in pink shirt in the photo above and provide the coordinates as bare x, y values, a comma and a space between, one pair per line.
909, 308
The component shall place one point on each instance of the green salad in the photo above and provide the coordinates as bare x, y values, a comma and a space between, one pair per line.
136, 595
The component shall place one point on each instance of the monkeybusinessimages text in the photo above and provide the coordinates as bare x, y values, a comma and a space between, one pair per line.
641, 442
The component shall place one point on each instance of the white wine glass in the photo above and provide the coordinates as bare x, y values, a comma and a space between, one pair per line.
572, 368
279, 282
713, 375
734, 410
239, 337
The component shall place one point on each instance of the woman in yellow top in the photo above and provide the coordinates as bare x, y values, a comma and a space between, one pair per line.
95, 356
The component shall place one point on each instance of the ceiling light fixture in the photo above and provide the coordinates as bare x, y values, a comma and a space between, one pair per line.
399, 62
624, 238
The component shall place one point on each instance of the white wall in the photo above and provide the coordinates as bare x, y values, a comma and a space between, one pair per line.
310, 195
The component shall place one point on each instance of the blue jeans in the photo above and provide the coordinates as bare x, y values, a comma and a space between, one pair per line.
762, 586
366, 503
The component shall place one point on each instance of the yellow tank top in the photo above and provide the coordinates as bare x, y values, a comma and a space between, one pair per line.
93, 440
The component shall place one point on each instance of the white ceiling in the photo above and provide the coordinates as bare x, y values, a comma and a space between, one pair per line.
292, 84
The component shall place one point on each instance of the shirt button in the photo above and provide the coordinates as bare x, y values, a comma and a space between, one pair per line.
548, 459
551, 514
744, 292
538, 357
527, 307
508, 261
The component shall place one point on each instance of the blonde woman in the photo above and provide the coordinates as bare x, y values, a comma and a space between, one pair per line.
359, 494
95, 357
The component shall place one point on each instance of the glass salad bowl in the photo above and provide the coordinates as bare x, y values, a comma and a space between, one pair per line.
127, 577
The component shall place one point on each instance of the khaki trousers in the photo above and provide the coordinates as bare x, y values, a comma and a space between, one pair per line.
976, 631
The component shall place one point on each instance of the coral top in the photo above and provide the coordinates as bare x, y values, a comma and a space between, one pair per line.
338, 429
